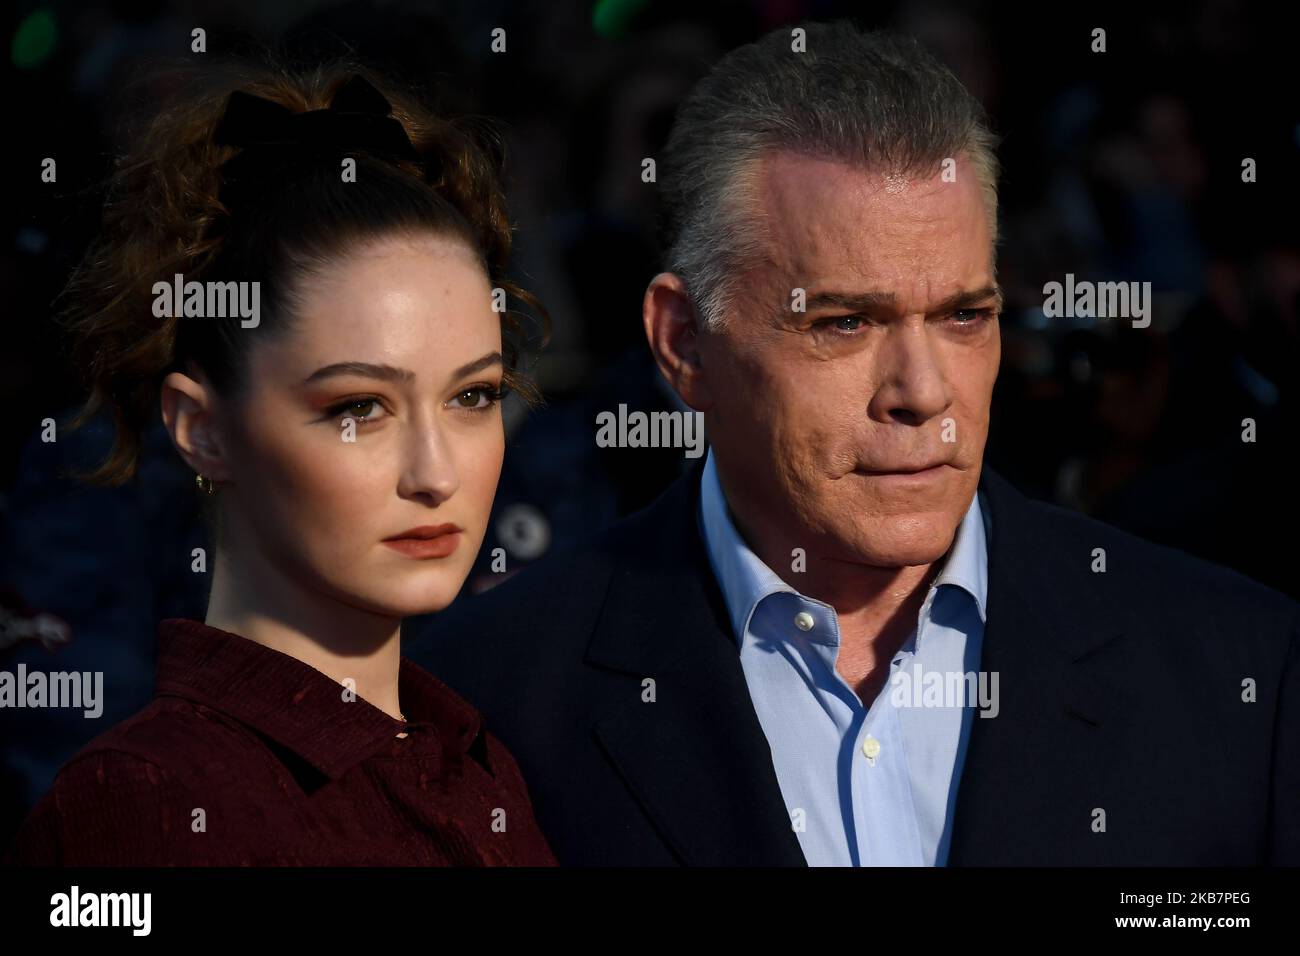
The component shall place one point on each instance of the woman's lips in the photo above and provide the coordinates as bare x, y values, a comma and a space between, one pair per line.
439, 545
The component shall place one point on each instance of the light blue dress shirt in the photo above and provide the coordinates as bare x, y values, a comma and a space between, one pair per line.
894, 807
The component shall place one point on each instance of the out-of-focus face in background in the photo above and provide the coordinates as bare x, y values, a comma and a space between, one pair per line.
415, 316
856, 428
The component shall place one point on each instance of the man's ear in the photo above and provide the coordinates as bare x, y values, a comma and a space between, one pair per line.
189, 414
672, 328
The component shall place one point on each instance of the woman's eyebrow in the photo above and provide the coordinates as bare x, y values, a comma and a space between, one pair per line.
492, 358
390, 373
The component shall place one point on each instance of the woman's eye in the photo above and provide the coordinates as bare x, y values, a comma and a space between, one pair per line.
479, 398
362, 409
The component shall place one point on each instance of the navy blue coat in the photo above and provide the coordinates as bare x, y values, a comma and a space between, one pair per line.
1120, 691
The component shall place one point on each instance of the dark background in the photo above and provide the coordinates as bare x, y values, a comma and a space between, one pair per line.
1123, 165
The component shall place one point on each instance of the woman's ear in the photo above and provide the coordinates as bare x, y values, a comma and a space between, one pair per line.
188, 411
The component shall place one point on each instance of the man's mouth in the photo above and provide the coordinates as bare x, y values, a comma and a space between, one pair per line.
909, 475
913, 469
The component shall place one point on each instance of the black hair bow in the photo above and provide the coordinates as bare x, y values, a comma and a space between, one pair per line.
277, 142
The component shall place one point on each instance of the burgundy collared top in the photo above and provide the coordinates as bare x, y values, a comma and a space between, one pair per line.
248, 756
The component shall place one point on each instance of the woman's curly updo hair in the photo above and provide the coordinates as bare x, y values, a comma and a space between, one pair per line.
164, 215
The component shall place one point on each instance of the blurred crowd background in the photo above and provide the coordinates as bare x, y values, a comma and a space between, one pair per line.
1118, 166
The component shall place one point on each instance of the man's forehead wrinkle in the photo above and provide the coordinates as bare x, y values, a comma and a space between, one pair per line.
819, 246
785, 195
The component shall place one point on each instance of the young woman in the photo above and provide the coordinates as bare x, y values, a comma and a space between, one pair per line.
309, 274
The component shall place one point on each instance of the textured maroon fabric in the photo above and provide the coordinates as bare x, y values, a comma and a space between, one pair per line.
285, 771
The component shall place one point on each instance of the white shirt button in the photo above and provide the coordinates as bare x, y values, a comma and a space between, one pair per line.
871, 748
804, 621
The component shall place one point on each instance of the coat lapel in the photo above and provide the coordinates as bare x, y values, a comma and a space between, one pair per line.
699, 764
1032, 773
696, 757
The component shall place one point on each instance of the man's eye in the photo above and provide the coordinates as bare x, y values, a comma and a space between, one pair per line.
844, 323
971, 316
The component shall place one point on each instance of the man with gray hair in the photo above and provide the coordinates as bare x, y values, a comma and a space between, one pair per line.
841, 639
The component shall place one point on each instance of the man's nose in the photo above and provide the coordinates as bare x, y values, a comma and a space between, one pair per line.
913, 386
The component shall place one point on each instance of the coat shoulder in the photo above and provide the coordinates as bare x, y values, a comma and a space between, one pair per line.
1099, 569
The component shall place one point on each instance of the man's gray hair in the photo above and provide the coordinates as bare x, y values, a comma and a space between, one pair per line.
877, 100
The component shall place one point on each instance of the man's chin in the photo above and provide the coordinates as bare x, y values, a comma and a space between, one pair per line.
910, 546
899, 557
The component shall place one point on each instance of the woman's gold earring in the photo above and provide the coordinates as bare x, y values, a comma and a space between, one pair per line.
205, 485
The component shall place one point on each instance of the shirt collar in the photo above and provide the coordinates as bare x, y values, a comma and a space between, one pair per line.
967, 565
745, 580
298, 706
